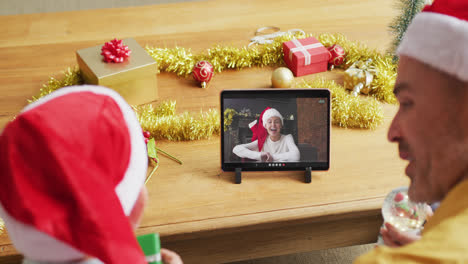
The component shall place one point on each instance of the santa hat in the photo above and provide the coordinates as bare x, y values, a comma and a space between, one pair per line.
269, 114
438, 35
72, 166
258, 131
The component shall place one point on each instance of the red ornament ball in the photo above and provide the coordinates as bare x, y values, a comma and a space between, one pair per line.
146, 134
337, 55
202, 72
115, 51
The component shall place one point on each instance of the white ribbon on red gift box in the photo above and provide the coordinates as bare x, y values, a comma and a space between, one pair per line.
303, 49
268, 38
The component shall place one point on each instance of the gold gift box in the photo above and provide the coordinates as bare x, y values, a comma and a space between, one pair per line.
134, 79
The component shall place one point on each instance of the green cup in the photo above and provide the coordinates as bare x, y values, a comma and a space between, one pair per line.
151, 246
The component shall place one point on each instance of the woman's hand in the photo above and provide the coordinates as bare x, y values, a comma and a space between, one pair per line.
170, 257
266, 157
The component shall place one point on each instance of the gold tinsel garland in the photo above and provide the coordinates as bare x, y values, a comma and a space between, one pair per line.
181, 61
382, 85
164, 123
347, 111
71, 77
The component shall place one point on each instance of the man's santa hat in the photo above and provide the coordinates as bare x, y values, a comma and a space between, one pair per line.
438, 36
72, 166
259, 132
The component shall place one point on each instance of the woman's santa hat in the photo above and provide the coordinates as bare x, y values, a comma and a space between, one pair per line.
72, 166
259, 132
269, 114
438, 36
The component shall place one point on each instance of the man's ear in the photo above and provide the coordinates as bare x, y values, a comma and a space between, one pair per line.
137, 211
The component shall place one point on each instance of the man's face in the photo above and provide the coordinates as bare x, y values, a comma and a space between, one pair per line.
428, 128
273, 126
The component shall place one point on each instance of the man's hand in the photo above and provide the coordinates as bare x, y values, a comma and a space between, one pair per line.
393, 237
170, 257
266, 157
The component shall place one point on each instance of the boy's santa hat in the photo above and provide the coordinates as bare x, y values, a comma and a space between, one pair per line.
259, 131
438, 35
72, 166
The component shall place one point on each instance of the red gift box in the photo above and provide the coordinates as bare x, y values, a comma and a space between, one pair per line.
305, 56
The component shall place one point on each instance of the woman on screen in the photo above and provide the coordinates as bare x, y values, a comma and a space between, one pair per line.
268, 144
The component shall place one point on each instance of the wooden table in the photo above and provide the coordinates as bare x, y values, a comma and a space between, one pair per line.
195, 207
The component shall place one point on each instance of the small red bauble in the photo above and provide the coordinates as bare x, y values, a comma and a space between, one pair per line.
202, 72
337, 55
146, 134
115, 51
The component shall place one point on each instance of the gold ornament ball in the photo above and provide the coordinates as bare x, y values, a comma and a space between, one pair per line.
282, 78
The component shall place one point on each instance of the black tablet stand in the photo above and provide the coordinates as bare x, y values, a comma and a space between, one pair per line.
307, 175
238, 179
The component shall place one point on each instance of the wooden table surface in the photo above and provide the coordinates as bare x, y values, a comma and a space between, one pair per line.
195, 207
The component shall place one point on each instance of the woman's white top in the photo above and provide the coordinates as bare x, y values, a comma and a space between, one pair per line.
283, 150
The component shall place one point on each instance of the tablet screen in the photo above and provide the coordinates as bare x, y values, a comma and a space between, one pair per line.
275, 129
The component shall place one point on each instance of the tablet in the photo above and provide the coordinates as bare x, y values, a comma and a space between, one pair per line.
275, 129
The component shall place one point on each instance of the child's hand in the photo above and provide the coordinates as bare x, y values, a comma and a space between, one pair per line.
170, 257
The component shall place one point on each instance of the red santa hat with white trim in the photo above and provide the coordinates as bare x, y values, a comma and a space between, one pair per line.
72, 166
259, 131
438, 35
